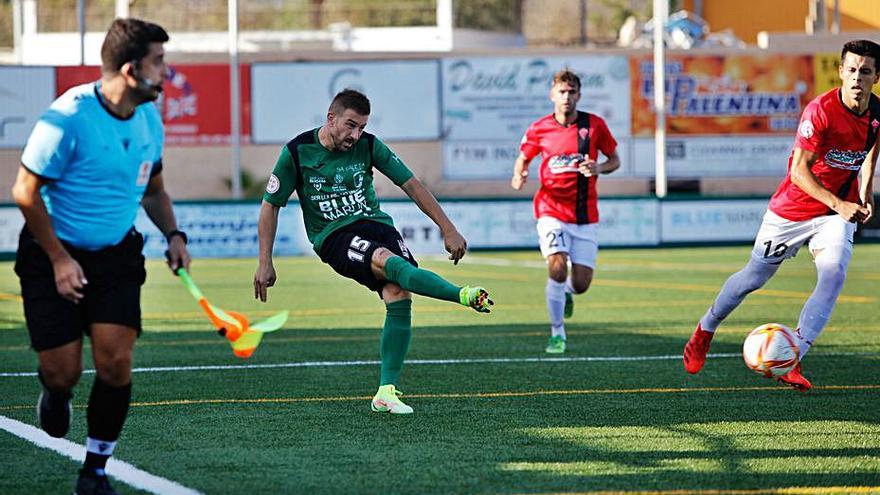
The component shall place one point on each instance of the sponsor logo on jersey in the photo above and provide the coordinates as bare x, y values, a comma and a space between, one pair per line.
358, 180
846, 160
273, 185
144, 170
338, 183
317, 182
561, 164
354, 203
806, 129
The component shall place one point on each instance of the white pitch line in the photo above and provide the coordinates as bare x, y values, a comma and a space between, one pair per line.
119, 470
331, 364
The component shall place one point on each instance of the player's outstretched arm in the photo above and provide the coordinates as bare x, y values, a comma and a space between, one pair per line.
454, 242
69, 276
267, 226
157, 204
802, 176
866, 181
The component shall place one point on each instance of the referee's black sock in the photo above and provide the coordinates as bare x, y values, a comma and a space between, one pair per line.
108, 407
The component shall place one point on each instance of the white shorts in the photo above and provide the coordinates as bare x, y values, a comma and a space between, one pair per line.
779, 239
579, 242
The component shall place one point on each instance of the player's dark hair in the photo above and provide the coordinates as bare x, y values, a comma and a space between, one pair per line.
128, 40
567, 76
863, 48
350, 99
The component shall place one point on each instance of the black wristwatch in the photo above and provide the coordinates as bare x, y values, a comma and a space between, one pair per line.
178, 233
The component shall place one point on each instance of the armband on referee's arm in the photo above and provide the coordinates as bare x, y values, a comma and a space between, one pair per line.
176, 233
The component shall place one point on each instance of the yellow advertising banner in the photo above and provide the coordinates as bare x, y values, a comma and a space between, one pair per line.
717, 94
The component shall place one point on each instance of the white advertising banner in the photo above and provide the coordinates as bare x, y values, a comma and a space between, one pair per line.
485, 224
25, 93
218, 230
289, 98
224, 230
488, 102
493, 160
511, 224
629, 222
716, 156
711, 221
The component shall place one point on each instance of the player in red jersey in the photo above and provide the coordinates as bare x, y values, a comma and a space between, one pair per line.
829, 187
565, 205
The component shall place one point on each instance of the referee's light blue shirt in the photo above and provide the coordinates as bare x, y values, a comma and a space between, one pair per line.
97, 165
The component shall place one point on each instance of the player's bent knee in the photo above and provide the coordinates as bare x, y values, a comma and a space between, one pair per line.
557, 267
832, 274
580, 286
61, 377
115, 377
114, 368
393, 292
380, 256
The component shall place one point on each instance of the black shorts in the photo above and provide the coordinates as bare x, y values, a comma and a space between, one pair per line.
113, 293
350, 249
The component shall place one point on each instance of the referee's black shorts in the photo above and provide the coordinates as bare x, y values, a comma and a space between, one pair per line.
115, 275
350, 249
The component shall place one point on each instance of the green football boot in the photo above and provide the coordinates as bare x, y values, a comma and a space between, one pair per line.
555, 345
569, 306
475, 297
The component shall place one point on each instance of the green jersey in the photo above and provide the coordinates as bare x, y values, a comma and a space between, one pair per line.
335, 188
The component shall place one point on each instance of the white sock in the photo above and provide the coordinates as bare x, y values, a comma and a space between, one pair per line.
555, 294
101, 447
742, 283
830, 275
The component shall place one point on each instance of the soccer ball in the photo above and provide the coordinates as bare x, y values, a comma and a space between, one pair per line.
771, 350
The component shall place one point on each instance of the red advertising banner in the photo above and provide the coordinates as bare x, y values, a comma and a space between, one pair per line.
725, 94
194, 103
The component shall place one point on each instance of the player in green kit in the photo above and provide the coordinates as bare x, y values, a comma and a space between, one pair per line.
331, 169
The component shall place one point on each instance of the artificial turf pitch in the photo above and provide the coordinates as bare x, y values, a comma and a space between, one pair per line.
493, 413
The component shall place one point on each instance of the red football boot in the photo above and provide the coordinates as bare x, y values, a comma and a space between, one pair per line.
795, 379
695, 350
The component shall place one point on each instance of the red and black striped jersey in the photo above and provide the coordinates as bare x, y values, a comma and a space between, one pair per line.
565, 194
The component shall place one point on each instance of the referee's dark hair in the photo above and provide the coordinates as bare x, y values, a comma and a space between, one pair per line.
128, 40
863, 48
567, 76
350, 99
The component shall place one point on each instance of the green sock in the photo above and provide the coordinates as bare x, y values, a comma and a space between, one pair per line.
396, 335
418, 281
